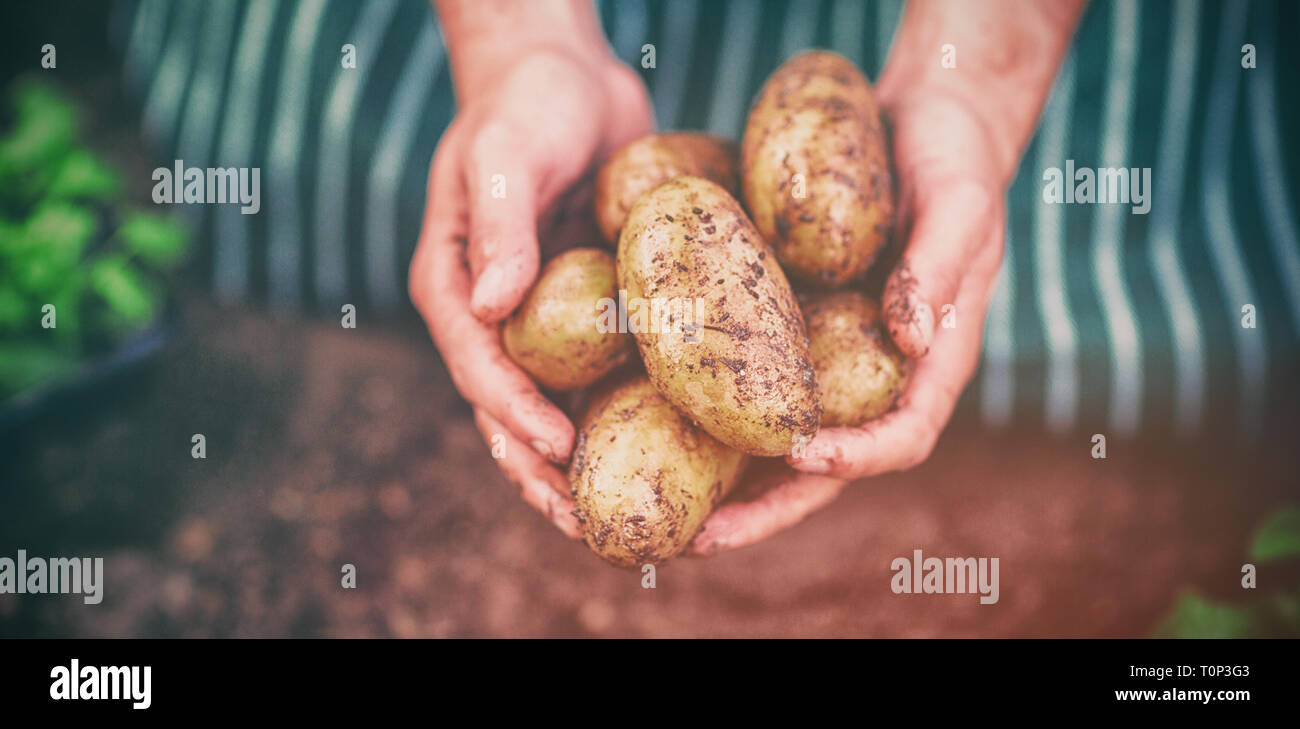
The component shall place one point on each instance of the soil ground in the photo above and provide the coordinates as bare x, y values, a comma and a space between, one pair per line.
328, 446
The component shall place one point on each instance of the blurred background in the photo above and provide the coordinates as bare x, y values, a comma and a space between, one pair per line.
328, 446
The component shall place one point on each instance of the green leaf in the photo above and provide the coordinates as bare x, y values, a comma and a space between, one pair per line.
83, 175
160, 241
38, 276
15, 310
1278, 537
52, 243
1286, 610
125, 290
1195, 617
13, 238
21, 192
40, 100
67, 303
61, 229
46, 128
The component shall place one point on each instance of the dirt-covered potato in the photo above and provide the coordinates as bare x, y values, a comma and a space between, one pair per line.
554, 335
644, 477
815, 169
724, 339
643, 164
859, 370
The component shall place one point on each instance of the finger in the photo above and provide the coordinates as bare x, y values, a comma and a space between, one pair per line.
632, 117
950, 224
907, 435
500, 180
484, 375
788, 498
541, 484
513, 174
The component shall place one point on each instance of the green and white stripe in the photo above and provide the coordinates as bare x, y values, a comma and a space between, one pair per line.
1061, 404
414, 91
1108, 227
1088, 296
1229, 265
1165, 256
334, 159
230, 263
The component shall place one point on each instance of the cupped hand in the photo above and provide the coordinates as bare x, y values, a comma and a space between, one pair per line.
952, 216
951, 223
512, 174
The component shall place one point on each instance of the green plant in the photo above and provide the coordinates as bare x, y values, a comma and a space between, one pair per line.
1194, 616
69, 240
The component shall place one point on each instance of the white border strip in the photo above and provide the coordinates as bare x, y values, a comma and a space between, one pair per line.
334, 161
735, 61
1061, 396
414, 91
1216, 157
285, 246
1167, 264
238, 135
1109, 224
1272, 178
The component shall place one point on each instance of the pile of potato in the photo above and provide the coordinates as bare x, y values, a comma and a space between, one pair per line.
735, 363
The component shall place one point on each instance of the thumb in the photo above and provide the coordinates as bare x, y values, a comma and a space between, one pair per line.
950, 222
502, 248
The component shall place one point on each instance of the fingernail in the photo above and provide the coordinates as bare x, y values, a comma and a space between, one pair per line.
812, 465
545, 450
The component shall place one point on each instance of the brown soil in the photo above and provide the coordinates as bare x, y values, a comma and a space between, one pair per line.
328, 446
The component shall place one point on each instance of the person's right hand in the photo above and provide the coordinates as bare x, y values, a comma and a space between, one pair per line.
516, 167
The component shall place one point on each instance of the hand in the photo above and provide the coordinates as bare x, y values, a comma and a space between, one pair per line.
771, 497
958, 133
952, 218
535, 131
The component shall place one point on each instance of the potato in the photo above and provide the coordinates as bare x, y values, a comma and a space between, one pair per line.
643, 164
815, 169
554, 336
727, 345
859, 370
644, 477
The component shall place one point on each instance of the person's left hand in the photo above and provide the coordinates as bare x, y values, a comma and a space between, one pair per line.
952, 216
771, 497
